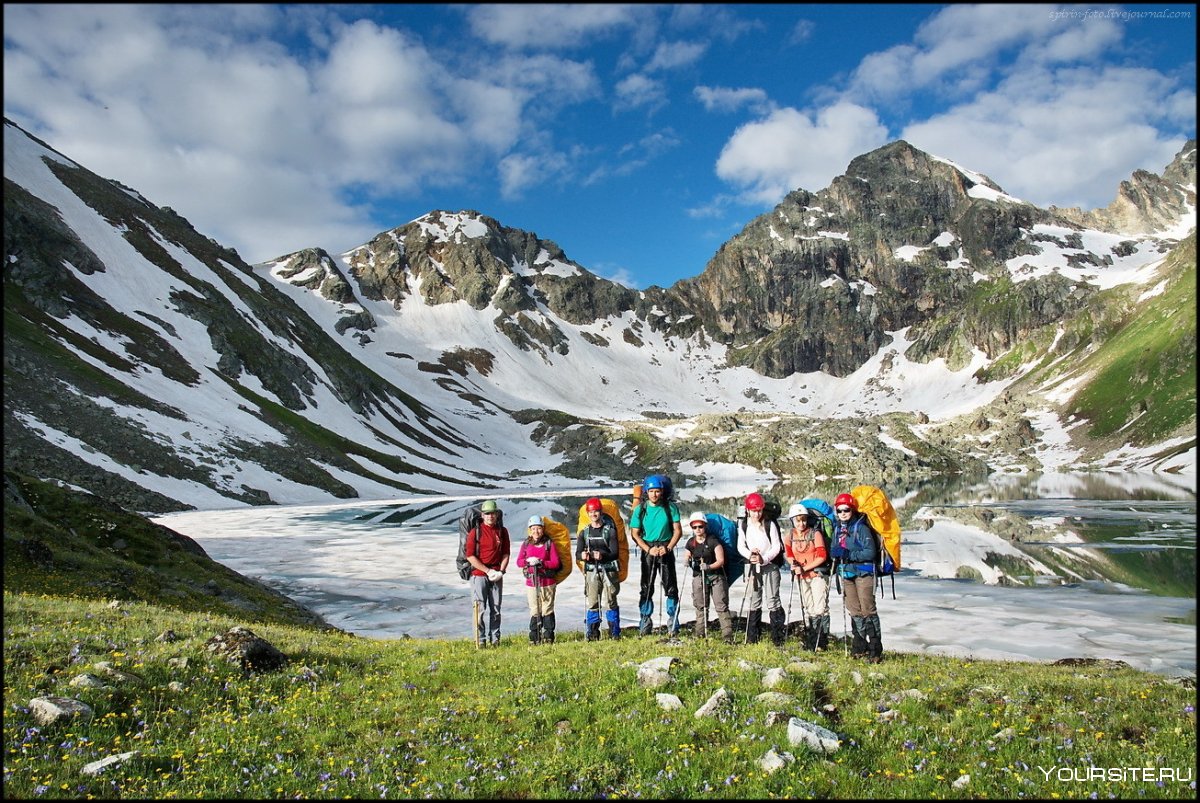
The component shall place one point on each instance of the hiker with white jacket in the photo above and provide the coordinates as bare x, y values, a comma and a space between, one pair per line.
760, 543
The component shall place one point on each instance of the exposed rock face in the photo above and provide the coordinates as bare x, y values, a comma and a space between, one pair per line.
1146, 202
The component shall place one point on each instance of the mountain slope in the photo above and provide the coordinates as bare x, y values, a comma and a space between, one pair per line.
910, 300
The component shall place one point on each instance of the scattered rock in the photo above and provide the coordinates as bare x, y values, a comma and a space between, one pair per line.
49, 710
776, 699
962, 781
668, 702
773, 761
812, 736
774, 677
97, 767
241, 646
720, 705
88, 681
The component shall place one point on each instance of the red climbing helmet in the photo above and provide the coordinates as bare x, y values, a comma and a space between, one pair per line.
593, 504
755, 502
845, 499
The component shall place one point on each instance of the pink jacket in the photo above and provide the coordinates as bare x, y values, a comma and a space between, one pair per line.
547, 554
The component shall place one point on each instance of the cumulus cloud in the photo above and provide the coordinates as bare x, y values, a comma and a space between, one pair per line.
789, 150
1059, 136
201, 111
960, 45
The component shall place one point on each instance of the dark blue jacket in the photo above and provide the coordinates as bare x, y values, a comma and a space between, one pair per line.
855, 547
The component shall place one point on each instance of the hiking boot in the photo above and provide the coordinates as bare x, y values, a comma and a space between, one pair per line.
874, 659
593, 631
753, 626
645, 626
778, 625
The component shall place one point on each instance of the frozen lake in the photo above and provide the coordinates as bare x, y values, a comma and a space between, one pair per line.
386, 569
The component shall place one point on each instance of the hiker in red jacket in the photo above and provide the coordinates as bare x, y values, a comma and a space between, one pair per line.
487, 550
539, 558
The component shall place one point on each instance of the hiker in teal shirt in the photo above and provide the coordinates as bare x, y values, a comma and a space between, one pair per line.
656, 529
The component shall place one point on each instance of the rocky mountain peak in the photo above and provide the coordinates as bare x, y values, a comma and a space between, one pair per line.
1145, 202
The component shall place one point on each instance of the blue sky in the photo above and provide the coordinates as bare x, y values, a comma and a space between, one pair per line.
638, 137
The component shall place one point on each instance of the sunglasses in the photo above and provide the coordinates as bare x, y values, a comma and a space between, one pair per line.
845, 510
698, 526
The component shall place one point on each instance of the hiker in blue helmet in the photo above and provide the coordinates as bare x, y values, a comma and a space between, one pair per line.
854, 549
598, 552
539, 559
655, 528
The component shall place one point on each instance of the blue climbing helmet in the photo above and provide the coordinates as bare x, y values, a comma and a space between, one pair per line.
653, 481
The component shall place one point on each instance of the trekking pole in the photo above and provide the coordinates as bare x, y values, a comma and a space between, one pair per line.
791, 593
704, 594
804, 621
837, 578
650, 587
662, 587
745, 591
754, 578
537, 596
475, 621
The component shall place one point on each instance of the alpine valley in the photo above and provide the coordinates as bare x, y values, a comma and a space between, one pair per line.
909, 320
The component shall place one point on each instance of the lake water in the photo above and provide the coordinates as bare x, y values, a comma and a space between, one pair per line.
1104, 567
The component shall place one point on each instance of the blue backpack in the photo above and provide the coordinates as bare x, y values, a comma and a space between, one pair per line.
726, 530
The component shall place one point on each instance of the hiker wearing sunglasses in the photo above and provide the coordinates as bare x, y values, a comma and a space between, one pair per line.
710, 586
855, 551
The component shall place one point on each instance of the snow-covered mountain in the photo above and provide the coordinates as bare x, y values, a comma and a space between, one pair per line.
909, 319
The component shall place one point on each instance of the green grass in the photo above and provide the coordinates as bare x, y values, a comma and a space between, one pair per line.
353, 717
86, 582
1144, 377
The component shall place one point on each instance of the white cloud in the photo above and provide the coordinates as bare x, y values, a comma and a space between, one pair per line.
669, 55
549, 26
639, 90
788, 149
726, 99
960, 45
1058, 136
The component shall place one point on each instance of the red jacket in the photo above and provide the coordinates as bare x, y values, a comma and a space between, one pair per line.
489, 544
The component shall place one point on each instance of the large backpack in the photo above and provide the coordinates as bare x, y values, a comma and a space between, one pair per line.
612, 511
873, 503
824, 512
726, 530
561, 537
471, 518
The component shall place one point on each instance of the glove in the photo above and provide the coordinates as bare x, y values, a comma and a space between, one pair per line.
533, 562
494, 575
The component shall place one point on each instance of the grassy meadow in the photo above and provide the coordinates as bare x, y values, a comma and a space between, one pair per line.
360, 718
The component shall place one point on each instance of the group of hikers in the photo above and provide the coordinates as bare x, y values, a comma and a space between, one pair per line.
810, 553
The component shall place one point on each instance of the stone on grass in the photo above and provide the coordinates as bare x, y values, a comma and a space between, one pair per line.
720, 705
776, 698
774, 677
668, 702
97, 767
813, 736
49, 710
774, 761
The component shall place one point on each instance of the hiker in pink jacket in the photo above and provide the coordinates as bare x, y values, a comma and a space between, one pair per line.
539, 560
